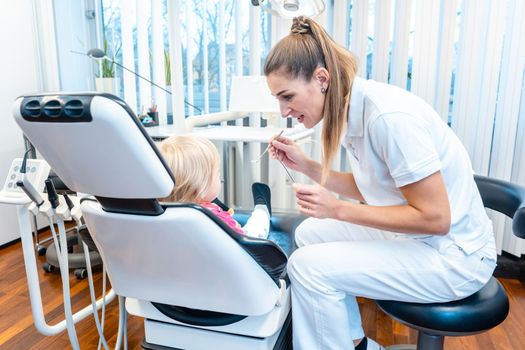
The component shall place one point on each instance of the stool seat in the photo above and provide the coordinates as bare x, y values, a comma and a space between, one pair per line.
481, 311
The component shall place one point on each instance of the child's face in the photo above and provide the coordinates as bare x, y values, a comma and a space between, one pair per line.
215, 187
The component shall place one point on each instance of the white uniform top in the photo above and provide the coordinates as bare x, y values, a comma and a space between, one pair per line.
393, 139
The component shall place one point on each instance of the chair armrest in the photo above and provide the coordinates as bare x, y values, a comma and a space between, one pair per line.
504, 197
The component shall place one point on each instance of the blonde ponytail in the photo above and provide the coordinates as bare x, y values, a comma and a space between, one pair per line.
299, 54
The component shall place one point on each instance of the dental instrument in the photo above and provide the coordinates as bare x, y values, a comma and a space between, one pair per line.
267, 148
287, 171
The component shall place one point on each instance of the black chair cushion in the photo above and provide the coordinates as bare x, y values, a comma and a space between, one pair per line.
481, 311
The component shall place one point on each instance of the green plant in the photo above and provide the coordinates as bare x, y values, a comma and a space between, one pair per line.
167, 67
107, 68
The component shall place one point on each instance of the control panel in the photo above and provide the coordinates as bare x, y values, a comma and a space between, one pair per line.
37, 171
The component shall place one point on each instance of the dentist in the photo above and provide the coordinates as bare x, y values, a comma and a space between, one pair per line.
416, 229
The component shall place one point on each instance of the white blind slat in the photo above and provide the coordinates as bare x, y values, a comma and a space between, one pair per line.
142, 15
359, 34
491, 54
447, 31
381, 45
128, 53
507, 110
424, 61
222, 58
399, 63
177, 86
157, 56
205, 76
340, 32
468, 72
189, 55
238, 45
516, 245
340, 22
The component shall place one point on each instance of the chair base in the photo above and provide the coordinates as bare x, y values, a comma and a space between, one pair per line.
430, 342
164, 336
425, 341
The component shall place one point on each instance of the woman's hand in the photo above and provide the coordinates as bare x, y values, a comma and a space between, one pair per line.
316, 201
289, 153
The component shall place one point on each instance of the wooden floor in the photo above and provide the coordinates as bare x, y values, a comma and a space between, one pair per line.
18, 332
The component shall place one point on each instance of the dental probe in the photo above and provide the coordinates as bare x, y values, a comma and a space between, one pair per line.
267, 148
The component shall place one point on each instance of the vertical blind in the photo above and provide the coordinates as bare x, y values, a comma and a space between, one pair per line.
464, 57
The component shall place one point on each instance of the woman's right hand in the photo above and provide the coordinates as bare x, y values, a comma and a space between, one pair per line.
289, 153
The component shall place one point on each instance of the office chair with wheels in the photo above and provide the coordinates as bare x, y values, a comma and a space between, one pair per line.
76, 258
479, 312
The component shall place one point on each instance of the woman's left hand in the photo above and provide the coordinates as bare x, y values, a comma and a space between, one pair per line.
315, 201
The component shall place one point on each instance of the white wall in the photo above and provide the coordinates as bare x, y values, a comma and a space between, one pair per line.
18, 75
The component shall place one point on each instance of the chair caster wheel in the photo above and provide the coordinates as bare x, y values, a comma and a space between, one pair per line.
80, 274
48, 267
41, 250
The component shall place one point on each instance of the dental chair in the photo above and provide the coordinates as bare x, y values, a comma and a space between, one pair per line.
197, 283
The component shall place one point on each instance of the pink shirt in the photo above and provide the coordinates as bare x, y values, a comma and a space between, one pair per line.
225, 216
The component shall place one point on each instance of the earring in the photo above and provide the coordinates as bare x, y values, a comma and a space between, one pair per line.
323, 90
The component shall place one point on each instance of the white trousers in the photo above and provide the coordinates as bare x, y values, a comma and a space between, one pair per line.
258, 225
337, 261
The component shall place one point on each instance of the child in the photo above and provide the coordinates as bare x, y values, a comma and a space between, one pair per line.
194, 162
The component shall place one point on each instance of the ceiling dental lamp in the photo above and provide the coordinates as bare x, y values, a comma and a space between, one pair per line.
291, 8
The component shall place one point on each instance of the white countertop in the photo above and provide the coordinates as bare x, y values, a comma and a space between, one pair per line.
234, 133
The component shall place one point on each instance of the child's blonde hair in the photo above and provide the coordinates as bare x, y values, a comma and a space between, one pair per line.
194, 162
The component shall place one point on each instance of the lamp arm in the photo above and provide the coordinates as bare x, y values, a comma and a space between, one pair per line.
149, 81
137, 74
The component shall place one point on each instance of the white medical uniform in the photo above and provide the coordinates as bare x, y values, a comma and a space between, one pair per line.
393, 139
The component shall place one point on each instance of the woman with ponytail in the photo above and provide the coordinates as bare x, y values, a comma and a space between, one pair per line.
416, 229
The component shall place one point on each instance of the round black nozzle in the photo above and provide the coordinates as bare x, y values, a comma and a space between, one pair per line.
52, 195
69, 202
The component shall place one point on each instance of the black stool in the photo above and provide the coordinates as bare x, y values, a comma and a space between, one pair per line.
484, 309
479, 312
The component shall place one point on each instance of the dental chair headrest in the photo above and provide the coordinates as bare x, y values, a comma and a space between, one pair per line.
96, 145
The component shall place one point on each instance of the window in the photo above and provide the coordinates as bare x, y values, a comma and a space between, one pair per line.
201, 37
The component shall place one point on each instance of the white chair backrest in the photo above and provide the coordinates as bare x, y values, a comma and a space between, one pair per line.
95, 144
179, 258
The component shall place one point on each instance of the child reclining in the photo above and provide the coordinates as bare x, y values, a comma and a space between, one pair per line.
194, 161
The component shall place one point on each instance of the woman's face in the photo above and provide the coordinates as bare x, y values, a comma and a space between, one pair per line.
299, 98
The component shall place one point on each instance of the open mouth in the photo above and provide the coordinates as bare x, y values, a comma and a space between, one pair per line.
300, 118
